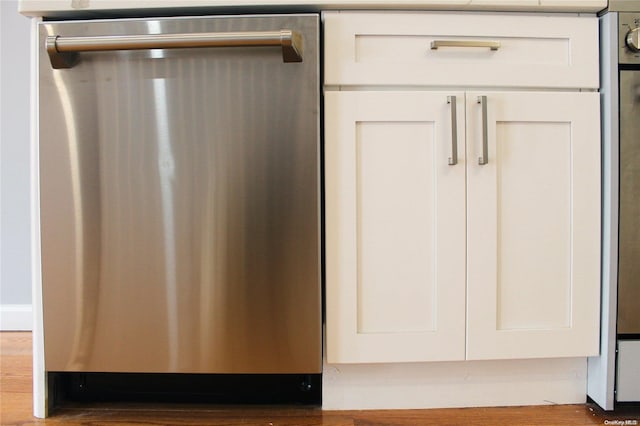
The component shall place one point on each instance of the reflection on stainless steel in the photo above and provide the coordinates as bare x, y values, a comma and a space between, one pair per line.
81, 346
180, 204
629, 236
166, 169
63, 51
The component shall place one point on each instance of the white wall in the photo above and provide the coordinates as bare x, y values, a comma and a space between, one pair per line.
15, 244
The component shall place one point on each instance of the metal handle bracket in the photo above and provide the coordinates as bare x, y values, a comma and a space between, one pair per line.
63, 51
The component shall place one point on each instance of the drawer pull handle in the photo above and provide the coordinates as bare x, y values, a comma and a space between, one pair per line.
482, 100
493, 45
453, 160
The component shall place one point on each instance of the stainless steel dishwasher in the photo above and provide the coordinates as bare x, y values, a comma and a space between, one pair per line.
180, 196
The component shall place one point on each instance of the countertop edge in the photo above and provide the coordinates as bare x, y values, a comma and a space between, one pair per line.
83, 8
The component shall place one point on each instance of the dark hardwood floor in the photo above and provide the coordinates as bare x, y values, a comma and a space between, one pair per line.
16, 408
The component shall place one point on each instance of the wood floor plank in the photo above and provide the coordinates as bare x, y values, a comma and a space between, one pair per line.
16, 365
546, 415
16, 408
16, 384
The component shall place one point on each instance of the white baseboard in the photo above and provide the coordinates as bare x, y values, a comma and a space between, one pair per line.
454, 384
16, 318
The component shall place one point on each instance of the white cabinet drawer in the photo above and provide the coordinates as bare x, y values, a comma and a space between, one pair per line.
369, 48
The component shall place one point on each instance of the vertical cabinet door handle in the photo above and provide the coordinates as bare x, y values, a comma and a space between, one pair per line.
453, 159
484, 159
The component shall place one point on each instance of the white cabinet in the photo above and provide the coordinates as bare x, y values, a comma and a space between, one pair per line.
457, 49
395, 220
433, 258
533, 226
421, 253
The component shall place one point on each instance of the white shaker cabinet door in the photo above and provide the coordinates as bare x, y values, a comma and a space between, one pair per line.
533, 225
395, 227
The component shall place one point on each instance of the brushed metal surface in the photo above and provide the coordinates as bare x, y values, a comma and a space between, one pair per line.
493, 45
629, 252
623, 6
180, 203
628, 23
63, 52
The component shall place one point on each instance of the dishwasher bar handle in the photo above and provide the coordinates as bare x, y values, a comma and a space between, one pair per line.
63, 51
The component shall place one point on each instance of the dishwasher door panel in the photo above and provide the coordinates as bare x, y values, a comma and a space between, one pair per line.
180, 203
